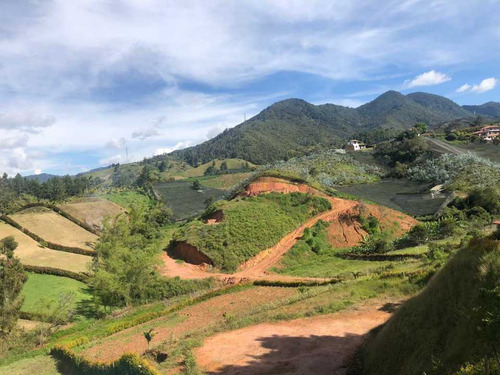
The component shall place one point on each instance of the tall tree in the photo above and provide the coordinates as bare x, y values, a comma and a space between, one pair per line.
12, 279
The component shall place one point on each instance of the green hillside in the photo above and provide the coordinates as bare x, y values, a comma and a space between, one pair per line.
490, 109
294, 127
249, 226
455, 320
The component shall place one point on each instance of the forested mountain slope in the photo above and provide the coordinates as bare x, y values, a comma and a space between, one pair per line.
295, 127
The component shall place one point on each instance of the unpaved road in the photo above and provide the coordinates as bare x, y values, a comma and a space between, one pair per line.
318, 345
255, 268
444, 147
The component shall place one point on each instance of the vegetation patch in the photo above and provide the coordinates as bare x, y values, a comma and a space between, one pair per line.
41, 291
250, 225
456, 316
225, 181
187, 199
128, 198
92, 211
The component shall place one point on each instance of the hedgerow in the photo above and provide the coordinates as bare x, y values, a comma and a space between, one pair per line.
44, 243
57, 272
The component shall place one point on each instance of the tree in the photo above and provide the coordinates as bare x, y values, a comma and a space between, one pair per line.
196, 185
125, 268
223, 167
148, 335
12, 279
421, 128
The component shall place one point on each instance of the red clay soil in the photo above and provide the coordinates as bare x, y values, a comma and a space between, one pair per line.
264, 185
318, 345
344, 231
193, 318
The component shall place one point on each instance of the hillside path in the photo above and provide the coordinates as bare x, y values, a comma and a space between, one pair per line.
317, 345
444, 147
256, 268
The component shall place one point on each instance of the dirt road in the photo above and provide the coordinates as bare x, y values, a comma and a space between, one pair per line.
318, 345
255, 268
444, 148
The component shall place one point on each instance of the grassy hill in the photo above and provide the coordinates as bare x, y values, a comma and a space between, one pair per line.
453, 321
295, 127
249, 226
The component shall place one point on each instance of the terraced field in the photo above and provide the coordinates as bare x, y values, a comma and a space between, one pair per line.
32, 253
93, 211
55, 228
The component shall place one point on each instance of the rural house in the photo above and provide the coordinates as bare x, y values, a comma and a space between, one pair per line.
355, 145
488, 133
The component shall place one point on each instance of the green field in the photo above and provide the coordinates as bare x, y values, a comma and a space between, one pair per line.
184, 200
400, 194
128, 199
225, 181
39, 365
250, 225
40, 288
485, 150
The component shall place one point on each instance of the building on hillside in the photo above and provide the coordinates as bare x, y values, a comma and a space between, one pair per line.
355, 145
488, 133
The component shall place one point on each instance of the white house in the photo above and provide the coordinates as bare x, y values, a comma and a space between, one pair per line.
355, 145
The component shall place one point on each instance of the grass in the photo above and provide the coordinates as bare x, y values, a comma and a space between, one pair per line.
225, 181
313, 256
32, 253
232, 164
485, 150
49, 287
55, 228
40, 365
92, 211
184, 200
399, 194
250, 225
437, 331
129, 198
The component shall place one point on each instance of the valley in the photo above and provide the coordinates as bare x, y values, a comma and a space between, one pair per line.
238, 268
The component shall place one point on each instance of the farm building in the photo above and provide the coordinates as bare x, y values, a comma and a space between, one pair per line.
355, 145
488, 133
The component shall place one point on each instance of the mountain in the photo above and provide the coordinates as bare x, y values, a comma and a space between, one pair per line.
490, 109
42, 177
295, 127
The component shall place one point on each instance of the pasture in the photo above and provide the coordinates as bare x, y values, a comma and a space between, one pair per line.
128, 199
55, 228
92, 211
224, 181
232, 165
48, 288
400, 194
184, 200
32, 253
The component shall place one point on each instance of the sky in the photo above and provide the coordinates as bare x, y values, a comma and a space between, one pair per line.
84, 81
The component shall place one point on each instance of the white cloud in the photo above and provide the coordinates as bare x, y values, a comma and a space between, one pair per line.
7, 143
430, 78
25, 121
167, 150
112, 160
115, 143
37, 171
144, 134
485, 85
463, 88
19, 160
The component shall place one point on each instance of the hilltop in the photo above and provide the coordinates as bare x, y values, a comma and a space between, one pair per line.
294, 127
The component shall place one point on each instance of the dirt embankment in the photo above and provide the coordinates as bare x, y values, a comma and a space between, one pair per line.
345, 230
264, 185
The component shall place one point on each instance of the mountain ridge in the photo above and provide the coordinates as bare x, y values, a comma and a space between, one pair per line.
294, 127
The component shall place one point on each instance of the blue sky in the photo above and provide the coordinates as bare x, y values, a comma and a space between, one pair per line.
82, 80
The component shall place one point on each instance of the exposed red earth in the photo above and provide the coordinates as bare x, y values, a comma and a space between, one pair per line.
344, 231
318, 345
